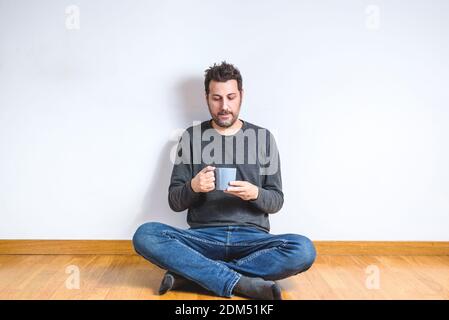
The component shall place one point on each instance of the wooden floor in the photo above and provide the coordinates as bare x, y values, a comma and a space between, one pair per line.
132, 277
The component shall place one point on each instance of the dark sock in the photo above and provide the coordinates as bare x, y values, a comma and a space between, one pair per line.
171, 281
258, 288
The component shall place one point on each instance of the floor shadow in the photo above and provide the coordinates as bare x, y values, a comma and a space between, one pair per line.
129, 272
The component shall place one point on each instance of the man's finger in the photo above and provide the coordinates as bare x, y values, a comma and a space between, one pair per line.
209, 174
210, 180
236, 189
210, 186
237, 183
235, 194
208, 168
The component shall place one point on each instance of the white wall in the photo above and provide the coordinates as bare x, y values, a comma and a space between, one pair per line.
355, 92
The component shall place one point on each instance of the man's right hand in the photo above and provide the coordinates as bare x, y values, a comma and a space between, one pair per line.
204, 181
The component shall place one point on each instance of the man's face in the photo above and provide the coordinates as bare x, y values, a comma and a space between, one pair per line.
224, 101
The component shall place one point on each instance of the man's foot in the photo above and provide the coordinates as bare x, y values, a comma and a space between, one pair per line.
171, 281
258, 288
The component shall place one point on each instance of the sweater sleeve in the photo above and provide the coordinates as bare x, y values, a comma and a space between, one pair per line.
180, 193
271, 197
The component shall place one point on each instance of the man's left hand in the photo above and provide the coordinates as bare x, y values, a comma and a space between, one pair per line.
243, 190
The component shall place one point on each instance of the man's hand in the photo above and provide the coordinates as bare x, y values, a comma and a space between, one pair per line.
243, 190
204, 181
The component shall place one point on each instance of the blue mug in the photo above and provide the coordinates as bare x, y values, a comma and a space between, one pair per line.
223, 176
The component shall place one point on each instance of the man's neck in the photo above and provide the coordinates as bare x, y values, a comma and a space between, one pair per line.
236, 126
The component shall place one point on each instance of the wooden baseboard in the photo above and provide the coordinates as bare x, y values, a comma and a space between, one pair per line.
124, 247
66, 247
403, 248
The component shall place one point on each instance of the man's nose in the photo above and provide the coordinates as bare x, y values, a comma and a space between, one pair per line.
224, 105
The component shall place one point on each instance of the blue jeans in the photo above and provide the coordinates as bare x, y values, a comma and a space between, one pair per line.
216, 257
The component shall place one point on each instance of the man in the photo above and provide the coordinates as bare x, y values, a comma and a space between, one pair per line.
228, 248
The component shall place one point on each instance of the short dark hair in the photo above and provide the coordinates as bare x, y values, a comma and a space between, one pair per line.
222, 73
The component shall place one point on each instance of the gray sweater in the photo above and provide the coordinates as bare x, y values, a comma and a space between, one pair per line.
252, 150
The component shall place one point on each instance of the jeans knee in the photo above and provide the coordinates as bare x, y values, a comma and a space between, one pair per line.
310, 253
144, 233
304, 253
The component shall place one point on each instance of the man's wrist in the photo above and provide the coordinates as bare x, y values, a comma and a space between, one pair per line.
191, 186
257, 194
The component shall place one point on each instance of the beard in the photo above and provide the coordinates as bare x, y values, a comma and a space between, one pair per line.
229, 121
224, 123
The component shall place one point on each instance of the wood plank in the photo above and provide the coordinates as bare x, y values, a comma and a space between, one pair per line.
132, 277
124, 247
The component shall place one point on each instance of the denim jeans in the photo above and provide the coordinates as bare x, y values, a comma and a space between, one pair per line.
216, 257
